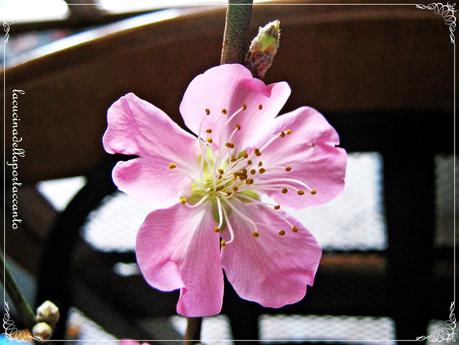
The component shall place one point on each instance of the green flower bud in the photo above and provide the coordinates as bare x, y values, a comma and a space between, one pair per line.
263, 49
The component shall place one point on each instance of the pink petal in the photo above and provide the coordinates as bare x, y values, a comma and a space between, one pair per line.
177, 248
227, 88
311, 153
136, 127
272, 270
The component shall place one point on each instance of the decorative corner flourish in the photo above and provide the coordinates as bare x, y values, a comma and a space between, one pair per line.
446, 11
6, 30
446, 333
10, 330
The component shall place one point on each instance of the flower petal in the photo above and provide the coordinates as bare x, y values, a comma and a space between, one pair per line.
177, 248
270, 269
311, 155
136, 127
212, 97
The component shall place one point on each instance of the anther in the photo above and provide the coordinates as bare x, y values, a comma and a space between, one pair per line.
244, 106
260, 163
288, 169
276, 207
249, 162
257, 152
209, 140
235, 188
294, 229
172, 166
255, 233
249, 181
209, 130
182, 200
238, 127
260, 106
222, 243
300, 192
244, 154
221, 171
233, 158
253, 171
261, 170
217, 229
284, 190
230, 145
288, 131
207, 111
281, 233
313, 192
282, 134
224, 111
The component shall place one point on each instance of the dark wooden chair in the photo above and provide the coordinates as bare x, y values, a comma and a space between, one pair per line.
381, 74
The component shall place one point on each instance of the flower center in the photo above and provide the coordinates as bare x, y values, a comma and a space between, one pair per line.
230, 178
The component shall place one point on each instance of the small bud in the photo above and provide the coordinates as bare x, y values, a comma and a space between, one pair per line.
48, 312
263, 49
42, 330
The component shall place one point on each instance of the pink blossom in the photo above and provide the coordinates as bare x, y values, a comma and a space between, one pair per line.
206, 190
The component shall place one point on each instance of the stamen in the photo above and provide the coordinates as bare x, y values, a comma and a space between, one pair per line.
172, 166
209, 140
257, 152
224, 111
260, 106
261, 170
249, 181
289, 131
288, 169
230, 145
253, 171
199, 203
249, 162
221, 171
284, 190
222, 243
277, 207
220, 216
282, 134
244, 106
300, 192
281, 233
260, 163
209, 130
228, 224
182, 199
255, 233
216, 229
238, 127
313, 192
242, 215
294, 229
207, 111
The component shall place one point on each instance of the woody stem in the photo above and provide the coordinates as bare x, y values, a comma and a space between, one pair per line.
235, 42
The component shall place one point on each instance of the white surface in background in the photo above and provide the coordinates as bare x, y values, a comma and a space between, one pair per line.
17, 11
120, 6
354, 219
297, 327
60, 192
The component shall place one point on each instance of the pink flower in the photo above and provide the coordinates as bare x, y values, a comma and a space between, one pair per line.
208, 189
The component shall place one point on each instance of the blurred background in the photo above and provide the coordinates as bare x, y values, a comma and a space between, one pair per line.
383, 77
